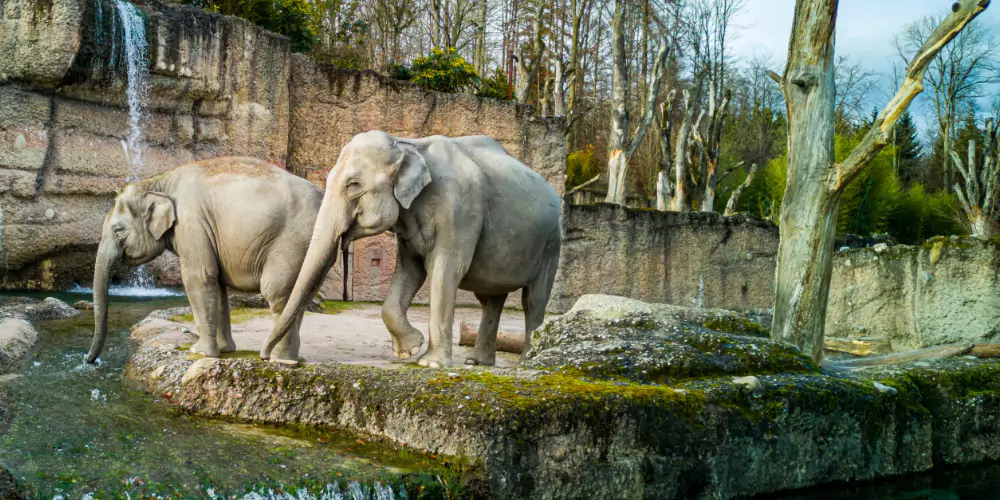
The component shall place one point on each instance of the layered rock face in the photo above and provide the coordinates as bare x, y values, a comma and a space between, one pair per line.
217, 86
941, 292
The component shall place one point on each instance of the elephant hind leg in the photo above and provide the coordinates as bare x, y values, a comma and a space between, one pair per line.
485, 350
535, 296
224, 331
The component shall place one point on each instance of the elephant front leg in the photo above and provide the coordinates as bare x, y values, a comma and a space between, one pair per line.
406, 280
446, 272
202, 288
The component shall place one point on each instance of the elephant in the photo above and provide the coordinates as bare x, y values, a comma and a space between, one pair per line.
234, 222
465, 213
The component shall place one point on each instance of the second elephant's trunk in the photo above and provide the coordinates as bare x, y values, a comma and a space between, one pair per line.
321, 256
108, 254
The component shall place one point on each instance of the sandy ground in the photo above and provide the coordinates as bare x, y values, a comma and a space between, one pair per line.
358, 336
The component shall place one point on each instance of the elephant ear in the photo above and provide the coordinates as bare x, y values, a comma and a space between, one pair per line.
412, 174
160, 216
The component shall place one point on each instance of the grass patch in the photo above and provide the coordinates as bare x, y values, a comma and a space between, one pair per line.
337, 306
237, 315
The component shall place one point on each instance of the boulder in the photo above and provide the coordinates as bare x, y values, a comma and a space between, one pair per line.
36, 310
17, 337
83, 305
610, 337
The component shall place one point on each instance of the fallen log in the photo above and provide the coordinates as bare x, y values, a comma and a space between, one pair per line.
512, 342
862, 346
985, 351
936, 352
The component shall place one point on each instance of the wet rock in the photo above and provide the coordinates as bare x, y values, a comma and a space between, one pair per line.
17, 336
83, 305
51, 308
612, 337
197, 369
9, 488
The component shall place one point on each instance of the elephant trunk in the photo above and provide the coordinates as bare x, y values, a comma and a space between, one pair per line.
331, 224
108, 254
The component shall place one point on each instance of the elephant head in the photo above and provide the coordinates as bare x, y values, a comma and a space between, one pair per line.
375, 177
134, 233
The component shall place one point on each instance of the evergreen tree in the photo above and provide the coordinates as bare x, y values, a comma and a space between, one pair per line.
908, 150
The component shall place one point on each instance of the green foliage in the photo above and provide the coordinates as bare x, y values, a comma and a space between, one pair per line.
874, 202
581, 166
907, 149
494, 86
399, 72
444, 71
295, 19
920, 215
344, 45
869, 200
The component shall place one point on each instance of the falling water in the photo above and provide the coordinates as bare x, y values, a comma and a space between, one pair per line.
136, 50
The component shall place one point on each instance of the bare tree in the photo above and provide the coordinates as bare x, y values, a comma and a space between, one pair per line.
450, 22
957, 76
815, 182
388, 20
526, 71
620, 147
978, 196
853, 85
663, 190
734, 199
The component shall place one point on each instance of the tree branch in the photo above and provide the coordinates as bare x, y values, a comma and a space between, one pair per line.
581, 186
649, 108
963, 12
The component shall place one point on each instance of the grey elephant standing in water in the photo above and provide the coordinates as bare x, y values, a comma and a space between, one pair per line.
234, 222
465, 213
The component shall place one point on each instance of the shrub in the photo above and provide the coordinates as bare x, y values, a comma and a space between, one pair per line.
444, 71
399, 72
296, 19
495, 86
581, 166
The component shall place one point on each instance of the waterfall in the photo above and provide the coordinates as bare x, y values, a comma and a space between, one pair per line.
137, 66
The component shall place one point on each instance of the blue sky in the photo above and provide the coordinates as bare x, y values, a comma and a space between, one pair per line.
865, 29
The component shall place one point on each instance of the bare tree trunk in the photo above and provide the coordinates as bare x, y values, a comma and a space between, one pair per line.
679, 201
663, 195
978, 196
815, 182
734, 199
526, 71
481, 40
559, 88
546, 101
620, 147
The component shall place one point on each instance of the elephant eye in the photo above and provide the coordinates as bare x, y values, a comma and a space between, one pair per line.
353, 187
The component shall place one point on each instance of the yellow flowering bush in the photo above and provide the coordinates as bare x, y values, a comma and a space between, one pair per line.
444, 71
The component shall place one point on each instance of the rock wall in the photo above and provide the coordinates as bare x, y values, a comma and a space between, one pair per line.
683, 258
217, 86
946, 290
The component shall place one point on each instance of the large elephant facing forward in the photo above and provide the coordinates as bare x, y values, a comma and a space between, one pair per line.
234, 222
465, 213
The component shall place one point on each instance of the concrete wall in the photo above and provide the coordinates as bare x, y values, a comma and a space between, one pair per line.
218, 86
946, 290
682, 258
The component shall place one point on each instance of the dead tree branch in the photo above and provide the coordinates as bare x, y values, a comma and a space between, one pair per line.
734, 199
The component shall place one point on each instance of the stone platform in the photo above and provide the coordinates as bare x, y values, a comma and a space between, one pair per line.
642, 400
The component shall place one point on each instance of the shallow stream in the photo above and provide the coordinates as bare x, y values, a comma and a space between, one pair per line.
78, 429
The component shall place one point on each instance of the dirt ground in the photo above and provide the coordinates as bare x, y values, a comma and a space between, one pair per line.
358, 336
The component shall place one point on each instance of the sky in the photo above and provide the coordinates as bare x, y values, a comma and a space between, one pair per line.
865, 30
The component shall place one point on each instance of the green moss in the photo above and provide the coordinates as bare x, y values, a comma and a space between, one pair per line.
737, 325
237, 315
337, 307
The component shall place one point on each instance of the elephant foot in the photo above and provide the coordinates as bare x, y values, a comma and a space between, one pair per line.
477, 357
228, 346
407, 345
207, 348
434, 358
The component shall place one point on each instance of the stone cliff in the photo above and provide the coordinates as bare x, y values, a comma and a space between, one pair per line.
218, 85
